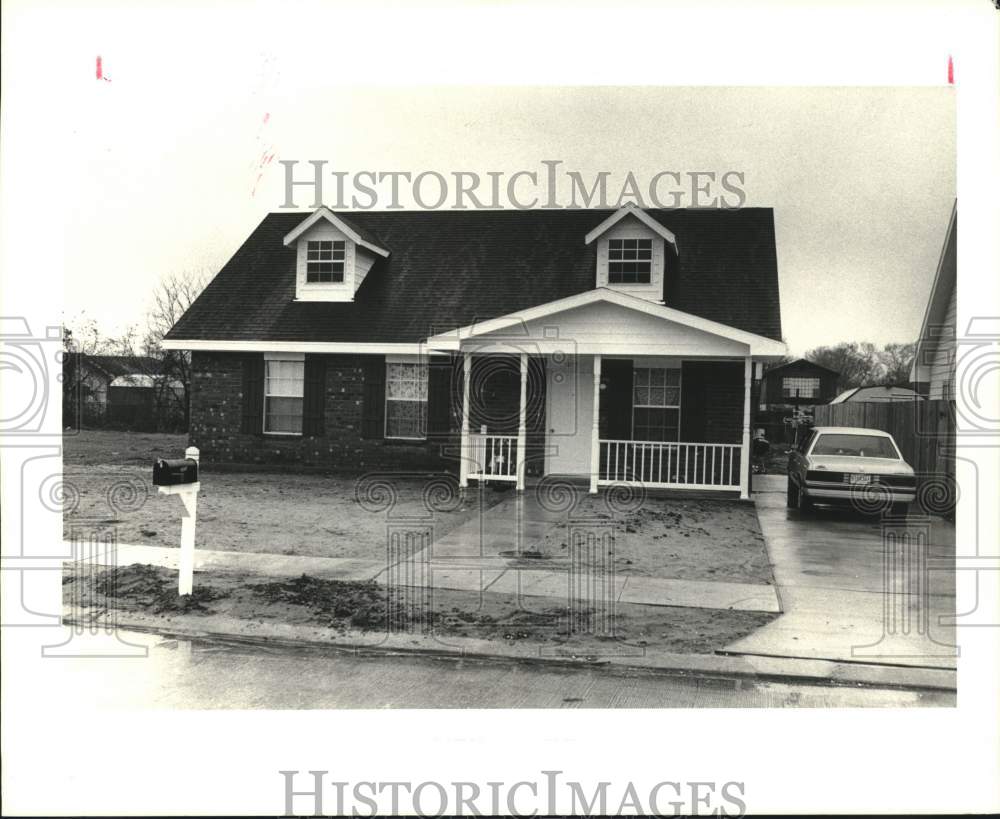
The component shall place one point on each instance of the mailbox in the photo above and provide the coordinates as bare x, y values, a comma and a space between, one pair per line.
174, 472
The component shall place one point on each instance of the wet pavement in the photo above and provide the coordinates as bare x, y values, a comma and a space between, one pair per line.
217, 674
856, 588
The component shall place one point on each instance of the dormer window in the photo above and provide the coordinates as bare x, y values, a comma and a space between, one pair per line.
325, 261
632, 251
630, 261
332, 257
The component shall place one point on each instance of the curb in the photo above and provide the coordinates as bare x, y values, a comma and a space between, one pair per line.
770, 669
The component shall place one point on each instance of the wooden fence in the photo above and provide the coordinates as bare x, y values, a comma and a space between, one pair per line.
925, 433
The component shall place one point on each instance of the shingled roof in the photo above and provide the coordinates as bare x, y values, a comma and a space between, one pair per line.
797, 363
448, 269
119, 365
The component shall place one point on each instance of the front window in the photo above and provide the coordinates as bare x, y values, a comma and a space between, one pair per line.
855, 446
325, 261
406, 400
656, 404
629, 261
796, 387
283, 386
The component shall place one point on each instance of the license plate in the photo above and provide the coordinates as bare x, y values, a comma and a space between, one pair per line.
860, 479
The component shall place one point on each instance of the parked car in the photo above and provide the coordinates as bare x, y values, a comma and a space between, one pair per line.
850, 465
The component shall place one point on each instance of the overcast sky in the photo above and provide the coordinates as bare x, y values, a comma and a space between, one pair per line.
160, 164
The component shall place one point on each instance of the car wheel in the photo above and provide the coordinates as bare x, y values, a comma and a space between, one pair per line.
804, 504
793, 495
899, 510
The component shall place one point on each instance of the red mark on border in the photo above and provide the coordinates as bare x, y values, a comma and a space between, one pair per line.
951, 71
100, 70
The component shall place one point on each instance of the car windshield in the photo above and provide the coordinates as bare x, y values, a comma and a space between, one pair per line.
857, 446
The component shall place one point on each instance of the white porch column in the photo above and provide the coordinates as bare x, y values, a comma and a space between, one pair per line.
522, 423
595, 435
745, 452
464, 454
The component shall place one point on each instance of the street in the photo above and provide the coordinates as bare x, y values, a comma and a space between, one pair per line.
205, 674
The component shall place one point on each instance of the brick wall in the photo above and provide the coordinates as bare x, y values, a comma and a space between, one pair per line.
711, 412
216, 416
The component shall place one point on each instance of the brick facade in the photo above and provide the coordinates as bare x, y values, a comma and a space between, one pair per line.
216, 416
711, 412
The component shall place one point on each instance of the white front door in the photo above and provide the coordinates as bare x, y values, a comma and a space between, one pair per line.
569, 401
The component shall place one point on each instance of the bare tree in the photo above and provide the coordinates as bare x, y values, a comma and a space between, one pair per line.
175, 294
857, 362
862, 363
82, 339
896, 362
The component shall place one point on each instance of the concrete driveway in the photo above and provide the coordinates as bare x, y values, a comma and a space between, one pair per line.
856, 588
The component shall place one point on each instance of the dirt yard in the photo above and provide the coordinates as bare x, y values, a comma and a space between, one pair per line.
108, 480
337, 516
686, 539
354, 612
108, 485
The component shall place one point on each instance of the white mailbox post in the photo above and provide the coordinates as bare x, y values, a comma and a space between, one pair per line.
188, 493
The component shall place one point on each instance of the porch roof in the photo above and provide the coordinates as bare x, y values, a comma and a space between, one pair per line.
608, 322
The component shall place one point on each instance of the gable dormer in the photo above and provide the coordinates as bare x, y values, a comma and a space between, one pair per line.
332, 257
631, 253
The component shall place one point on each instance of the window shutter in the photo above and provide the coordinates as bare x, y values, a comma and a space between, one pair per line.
253, 394
439, 375
314, 395
694, 377
616, 399
373, 405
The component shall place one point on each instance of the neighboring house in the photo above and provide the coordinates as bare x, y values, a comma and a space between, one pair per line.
934, 362
114, 389
92, 376
885, 392
797, 382
614, 346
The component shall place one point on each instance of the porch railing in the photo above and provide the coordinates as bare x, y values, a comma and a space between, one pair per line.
494, 457
669, 464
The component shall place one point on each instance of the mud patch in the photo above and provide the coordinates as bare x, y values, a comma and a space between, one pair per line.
149, 588
356, 610
359, 604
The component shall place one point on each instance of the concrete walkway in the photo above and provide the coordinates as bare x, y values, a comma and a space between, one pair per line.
485, 575
842, 598
494, 542
485, 554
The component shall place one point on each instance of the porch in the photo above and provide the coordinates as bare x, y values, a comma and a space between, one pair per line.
609, 387
643, 420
